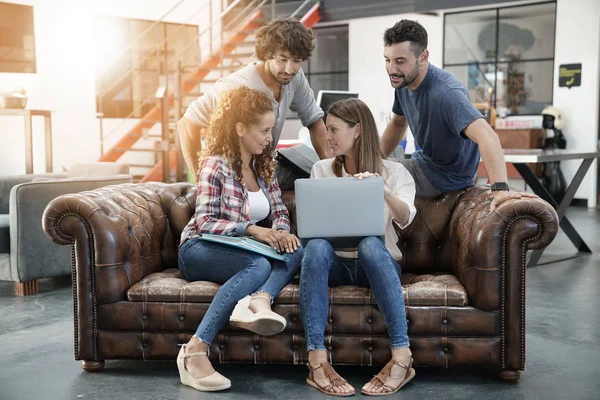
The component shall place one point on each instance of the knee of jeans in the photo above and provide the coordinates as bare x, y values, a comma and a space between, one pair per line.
317, 253
261, 267
370, 244
318, 246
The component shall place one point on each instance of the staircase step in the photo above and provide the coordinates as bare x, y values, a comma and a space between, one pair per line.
141, 166
157, 136
243, 43
200, 80
124, 150
238, 55
153, 121
224, 67
242, 31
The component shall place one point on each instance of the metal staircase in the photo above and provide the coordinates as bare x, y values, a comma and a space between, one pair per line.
179, 85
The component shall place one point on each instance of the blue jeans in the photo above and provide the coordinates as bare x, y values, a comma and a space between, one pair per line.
240, 272
374, 268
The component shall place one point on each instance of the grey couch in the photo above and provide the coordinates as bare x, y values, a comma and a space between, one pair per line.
26, 255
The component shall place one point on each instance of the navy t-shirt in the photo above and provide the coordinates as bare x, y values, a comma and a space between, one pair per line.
437, 112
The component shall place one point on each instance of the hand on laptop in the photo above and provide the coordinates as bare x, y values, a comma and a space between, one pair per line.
367, 174
291, 241
281, 240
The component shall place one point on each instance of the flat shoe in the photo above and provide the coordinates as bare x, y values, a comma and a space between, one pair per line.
334, 380
385, 373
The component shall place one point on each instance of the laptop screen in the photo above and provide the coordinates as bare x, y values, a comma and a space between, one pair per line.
340, 210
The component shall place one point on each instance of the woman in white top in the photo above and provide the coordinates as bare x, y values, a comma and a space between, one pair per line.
355, 143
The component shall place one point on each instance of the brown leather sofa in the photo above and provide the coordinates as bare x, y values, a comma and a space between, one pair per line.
463, 280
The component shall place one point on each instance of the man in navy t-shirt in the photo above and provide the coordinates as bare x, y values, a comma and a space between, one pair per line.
445, 125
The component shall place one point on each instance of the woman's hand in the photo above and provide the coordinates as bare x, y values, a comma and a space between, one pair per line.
291, 241
278, 240
367, 174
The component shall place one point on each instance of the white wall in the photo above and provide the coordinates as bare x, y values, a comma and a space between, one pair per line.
366, 65
578, 41
66, 74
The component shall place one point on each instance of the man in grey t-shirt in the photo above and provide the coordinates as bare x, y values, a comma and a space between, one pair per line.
444, 123
281, 46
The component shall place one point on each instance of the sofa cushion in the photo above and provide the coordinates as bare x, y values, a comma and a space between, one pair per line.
419, 290
4, 233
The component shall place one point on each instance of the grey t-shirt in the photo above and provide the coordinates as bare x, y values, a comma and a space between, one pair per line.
296, 95
437, 112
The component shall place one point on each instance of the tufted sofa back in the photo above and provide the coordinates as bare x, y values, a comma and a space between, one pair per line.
123, 233
425, 244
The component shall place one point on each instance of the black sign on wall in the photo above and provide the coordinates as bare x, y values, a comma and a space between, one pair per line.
569, 75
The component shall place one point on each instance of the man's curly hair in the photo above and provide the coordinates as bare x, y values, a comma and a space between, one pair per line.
284, 34
243, 105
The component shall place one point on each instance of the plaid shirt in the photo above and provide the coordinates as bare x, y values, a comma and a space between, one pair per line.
222, 206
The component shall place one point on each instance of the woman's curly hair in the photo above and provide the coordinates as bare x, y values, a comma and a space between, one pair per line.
243, 105
284, 34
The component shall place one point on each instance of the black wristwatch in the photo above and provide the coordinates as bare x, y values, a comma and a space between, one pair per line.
499, 186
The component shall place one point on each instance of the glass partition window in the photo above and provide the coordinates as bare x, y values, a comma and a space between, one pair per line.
131, 55
504, 56
327, 68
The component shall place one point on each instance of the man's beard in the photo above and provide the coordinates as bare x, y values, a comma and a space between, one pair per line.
279, 77
282, 80
405, 80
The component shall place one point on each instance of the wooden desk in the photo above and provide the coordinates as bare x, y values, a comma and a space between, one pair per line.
27, 119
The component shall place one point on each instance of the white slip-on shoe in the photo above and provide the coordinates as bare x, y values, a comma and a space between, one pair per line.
211, 383
265, 322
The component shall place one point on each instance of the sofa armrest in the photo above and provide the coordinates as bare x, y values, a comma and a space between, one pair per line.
119, 234
490, 259
490, 248
32, 255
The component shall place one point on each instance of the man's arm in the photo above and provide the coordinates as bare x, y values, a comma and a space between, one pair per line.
492, 155
392, 135
189, 138
318, 138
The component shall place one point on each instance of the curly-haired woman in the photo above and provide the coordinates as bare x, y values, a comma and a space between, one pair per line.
237, 189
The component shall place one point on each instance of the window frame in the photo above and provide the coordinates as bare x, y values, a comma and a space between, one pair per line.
495, 62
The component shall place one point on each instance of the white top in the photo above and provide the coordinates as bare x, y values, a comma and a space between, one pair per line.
296, 95
400, 182
259, 206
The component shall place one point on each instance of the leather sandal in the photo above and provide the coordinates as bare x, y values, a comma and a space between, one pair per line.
334, 380
385, 373
211, 383
264, 322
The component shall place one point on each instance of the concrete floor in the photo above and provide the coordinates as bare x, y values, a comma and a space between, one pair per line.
563, 347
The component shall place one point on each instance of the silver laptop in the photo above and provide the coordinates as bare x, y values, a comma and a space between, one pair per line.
340, 210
